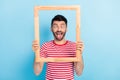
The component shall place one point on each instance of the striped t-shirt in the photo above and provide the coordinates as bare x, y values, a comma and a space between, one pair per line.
59, 70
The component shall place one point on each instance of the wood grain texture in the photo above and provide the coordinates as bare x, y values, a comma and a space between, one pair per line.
36, 24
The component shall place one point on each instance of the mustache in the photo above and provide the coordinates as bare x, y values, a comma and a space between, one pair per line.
59, 31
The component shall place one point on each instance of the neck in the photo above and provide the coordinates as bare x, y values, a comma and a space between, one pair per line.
63, 41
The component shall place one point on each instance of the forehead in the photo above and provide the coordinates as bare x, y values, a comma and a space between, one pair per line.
58, 22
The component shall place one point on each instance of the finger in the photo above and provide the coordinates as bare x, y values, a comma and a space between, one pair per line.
35, 48
35, 41
80, 44
80, 49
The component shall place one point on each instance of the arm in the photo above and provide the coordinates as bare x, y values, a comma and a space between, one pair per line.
37, 65
79, 65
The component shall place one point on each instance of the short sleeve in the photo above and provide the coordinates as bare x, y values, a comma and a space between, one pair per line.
43, 50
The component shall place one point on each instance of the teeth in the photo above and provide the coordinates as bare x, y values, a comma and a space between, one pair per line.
59, 33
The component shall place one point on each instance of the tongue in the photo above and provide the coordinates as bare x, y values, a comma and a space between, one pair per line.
59, 36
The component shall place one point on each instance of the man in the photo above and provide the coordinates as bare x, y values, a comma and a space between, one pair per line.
59, 47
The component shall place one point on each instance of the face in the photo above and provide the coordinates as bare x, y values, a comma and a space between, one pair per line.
59, 29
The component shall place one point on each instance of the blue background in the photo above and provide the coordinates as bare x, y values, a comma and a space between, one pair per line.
100, 31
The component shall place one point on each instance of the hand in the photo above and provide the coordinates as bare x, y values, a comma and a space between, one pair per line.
35, 45
80, 46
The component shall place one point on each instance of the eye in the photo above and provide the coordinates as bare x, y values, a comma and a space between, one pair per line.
55, 26
63, 26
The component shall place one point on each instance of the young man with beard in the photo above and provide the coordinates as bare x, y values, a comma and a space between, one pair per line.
59, 47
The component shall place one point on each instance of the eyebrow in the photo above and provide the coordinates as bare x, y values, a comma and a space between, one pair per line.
54, 24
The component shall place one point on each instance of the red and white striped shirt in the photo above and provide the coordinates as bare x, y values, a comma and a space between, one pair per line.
59, 70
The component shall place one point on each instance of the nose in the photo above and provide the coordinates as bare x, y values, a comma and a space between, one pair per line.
59, 28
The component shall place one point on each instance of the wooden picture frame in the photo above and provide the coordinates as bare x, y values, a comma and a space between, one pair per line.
36, 26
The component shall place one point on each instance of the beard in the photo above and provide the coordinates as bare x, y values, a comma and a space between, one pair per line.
59, 35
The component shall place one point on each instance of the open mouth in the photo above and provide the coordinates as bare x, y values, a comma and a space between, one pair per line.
59, 34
